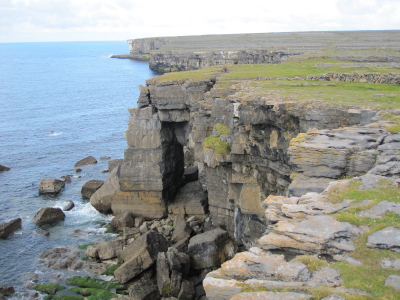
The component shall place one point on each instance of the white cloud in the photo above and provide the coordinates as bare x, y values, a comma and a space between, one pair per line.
42, 20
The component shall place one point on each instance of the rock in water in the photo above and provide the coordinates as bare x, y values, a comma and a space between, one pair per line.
90, 187
8, 228
4, 168
68, 205
48, 215
50, 186
90, 160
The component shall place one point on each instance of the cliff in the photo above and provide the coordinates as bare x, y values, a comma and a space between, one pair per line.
169, 54
251, 151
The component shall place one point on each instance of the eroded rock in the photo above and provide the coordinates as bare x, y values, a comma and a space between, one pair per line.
48, 215
90, 160
6, 229
90, 187
50, 186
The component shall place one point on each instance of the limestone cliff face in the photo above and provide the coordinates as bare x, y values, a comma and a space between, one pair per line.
268, 152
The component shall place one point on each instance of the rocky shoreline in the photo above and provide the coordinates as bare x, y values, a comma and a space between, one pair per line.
229, 192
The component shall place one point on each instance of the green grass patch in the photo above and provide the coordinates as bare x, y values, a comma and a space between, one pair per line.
96, 293
370, 276
214, 142
88, 282
196, 75
84, 246
393, 128
222, 129
110, 270
311, 262
63, 297
50, 289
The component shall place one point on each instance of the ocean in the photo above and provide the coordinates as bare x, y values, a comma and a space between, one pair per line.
59, 102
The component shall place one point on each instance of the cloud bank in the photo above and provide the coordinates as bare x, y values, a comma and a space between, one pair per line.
75, 20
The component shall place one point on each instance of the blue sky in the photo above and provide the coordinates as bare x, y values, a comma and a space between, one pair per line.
96, 20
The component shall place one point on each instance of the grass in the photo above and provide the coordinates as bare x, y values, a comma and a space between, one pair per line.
110, 270
84, 246
50, 289
96, 293
370, 276
222, 129
393, 128
88, 282
312, 263
215, 143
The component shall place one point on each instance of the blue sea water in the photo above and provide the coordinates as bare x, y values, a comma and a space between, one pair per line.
59, 103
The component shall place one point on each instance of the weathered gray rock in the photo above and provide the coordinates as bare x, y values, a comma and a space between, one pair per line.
113, 163
48, 215
210, 249
6, 229
50, 186
314, 234
380, 209
90, 160
68, 205
181, 229
101, 199
122, 220
393, 281
7, 290
191, 200
187, 290
191, 174
4, 168
333, 297
163, 275
388, 238
90, 187
391, 263
143, 290
327, 277
140, 255
106, 250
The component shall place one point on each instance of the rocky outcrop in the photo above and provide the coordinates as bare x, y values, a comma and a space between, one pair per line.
50, 186
90, 160
48, 215
6, 229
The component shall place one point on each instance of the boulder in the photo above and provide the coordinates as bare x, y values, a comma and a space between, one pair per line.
4, 168
106, 250
182, 229
187, 290
388, 238
101, 199
113, 163
190, 200
140, 255
68, 205
143, 290
48, 215
122, 220
210, 249
90, 187
90, 160
7, 290
6, 229
50, 186
67, 178
393, 281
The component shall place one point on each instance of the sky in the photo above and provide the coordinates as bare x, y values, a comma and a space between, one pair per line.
107, 20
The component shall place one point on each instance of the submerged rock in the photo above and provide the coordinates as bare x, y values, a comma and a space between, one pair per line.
50, 186
4, 168
48, 215
90, 160
6, 229
68, 205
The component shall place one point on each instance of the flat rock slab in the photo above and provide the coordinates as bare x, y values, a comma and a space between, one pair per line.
8, 228
315, 234
334, 297
50, 186
391, 263
48, 215
90, 160
260, 264
380, 209
271, 296
394, 281
388, 238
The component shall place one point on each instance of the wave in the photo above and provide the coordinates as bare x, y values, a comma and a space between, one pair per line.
53, 133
